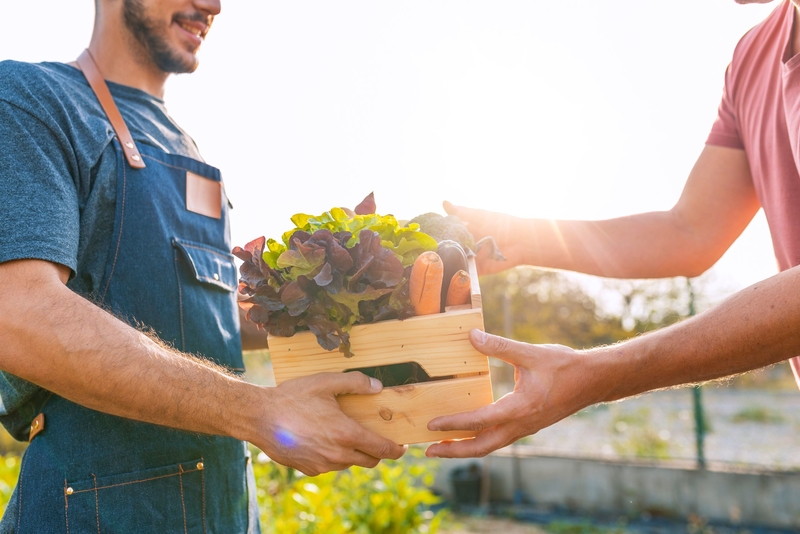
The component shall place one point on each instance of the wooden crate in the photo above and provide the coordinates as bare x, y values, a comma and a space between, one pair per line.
438, 343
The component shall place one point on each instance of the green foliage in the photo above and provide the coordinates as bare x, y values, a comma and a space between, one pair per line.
636, 437
546, 307
391, 499
758, 414
543, 306
9, 472
331, 272
777, 377
407, 242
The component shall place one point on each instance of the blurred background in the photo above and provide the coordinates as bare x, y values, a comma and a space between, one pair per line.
576, 109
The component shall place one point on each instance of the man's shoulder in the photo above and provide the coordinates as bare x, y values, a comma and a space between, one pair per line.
24, 84
21, 72
769, 35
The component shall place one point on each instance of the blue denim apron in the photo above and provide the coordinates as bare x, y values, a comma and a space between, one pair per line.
171, 270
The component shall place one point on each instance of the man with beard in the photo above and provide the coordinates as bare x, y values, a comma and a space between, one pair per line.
110, 221
749, 162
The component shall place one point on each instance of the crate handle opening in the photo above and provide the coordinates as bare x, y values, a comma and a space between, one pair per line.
399, 374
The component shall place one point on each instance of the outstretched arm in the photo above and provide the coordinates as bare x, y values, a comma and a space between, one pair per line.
754, 328
717, 203
62, 342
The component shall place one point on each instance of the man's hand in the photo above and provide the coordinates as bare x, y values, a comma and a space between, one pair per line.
94, 359
550, 384
508, 232
306, 429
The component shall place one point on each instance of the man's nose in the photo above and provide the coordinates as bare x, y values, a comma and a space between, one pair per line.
212, 7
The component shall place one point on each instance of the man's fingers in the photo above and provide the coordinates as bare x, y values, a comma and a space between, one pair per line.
464, 213
372, 444
484, 443
450, 208
363, 460
476, 420
353, 383
513, 352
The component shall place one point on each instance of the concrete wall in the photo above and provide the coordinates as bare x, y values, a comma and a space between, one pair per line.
751, 498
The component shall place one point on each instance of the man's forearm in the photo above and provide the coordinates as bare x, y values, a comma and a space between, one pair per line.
68, 345
638, 246
754, 328
716, 205
60, 341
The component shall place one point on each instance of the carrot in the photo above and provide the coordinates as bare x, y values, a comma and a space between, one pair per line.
458, 291
425, 283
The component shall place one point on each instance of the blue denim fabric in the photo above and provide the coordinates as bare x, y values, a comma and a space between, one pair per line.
170, 270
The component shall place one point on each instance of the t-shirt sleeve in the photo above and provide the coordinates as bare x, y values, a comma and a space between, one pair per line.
725, 130
39, 206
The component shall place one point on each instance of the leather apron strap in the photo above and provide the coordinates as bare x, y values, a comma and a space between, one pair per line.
98, 85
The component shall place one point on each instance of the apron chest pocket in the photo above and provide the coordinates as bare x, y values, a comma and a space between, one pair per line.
208, 265
172, 496
206, 278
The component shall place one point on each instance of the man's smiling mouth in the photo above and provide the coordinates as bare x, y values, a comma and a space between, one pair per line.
197, 30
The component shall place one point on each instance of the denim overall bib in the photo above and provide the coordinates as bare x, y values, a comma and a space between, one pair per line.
169, 269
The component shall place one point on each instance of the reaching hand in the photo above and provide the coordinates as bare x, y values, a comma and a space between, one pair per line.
508, 232
307, 430
550, 384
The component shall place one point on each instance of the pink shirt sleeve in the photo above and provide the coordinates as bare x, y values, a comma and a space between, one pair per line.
725, 131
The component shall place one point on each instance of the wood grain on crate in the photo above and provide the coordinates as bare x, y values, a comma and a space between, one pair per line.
403, 412
439, 343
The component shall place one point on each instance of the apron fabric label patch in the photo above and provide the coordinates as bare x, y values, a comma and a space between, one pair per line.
203, 196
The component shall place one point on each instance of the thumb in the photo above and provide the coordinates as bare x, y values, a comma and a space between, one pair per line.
513, 352
353, 383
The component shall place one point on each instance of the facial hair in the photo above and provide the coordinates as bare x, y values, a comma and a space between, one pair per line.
150, 35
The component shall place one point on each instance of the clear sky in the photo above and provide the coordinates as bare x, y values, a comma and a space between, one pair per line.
572, 109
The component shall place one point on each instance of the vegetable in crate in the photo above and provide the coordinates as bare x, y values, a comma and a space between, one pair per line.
330, 272
450, 227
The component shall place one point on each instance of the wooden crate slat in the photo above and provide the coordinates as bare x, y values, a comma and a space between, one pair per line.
438, 343
402, 413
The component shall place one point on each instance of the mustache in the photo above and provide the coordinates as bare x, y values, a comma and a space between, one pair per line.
195, 16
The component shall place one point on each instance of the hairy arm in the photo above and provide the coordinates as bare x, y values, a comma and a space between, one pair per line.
58, 340
756, 327
717, 203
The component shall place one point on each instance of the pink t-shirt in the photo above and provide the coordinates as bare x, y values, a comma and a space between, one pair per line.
760, 113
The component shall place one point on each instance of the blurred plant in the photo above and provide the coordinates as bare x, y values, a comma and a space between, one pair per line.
757, 414
259, 367
637, 437
9, 472
777, 377
548, 306
698, 525
564, 527
393, 498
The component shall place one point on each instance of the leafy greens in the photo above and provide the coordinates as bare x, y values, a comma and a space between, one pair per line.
330, 272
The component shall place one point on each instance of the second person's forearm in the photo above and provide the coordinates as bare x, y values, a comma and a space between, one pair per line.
754, 328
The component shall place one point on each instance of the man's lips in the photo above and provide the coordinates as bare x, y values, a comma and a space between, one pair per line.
196, 30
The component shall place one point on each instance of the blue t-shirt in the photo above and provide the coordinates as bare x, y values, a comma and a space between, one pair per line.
58, 180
